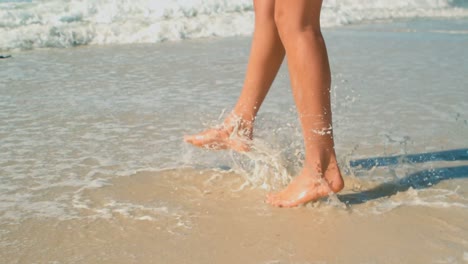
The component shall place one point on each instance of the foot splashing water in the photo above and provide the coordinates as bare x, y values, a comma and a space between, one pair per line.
268, 168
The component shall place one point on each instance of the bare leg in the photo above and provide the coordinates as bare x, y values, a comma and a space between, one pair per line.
298, 23
266, 55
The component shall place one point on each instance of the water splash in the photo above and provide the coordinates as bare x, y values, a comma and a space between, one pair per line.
264, 166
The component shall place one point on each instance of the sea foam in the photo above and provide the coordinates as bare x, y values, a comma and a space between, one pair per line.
59, 23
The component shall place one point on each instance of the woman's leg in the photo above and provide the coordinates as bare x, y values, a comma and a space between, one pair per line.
266, 55
298, 23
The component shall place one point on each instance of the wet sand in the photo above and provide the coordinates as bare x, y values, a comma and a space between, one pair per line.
202, 218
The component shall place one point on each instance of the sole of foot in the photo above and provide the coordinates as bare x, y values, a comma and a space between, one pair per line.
219, 139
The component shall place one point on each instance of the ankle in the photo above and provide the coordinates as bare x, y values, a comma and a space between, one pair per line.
327, 169
238, 125
319, 158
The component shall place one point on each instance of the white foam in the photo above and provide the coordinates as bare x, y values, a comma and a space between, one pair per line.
432, 198
59, 23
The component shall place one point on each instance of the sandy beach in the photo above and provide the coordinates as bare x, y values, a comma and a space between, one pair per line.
201, 219
94, 170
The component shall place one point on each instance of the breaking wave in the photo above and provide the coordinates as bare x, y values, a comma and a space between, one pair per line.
62, 23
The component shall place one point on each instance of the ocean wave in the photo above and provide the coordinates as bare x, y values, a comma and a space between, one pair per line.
61, 23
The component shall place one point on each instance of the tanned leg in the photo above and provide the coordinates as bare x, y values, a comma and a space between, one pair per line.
298, 23
266, 55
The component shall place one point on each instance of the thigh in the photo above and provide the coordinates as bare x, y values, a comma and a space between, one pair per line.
264, 10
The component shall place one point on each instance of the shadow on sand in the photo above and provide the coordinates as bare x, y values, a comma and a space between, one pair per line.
418, 180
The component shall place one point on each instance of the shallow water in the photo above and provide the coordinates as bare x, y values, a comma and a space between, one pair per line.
93, 168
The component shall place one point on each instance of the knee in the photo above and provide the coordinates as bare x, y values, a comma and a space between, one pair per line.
279, 18
291, 26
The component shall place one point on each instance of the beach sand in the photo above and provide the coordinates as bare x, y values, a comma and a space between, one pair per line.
202, 218
94, 169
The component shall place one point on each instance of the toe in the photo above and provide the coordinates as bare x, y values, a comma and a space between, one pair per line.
271, 198
288, 203
280, 200
188, 138
277, 200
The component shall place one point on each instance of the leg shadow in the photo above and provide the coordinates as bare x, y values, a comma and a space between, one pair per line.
448, 155
418, 180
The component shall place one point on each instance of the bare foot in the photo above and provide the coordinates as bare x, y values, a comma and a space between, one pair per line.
307, 187
234, 134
